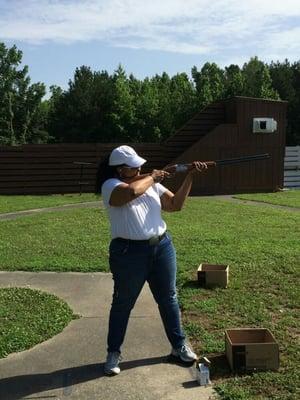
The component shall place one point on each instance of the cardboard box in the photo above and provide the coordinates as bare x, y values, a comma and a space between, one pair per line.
249, 349
210, 275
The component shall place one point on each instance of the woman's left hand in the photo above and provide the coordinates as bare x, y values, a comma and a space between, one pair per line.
198, 166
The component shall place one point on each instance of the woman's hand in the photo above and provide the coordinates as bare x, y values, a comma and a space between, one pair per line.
159, 175
197, 166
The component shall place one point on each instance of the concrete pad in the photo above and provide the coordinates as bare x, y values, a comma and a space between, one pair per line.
70, 365
63, 207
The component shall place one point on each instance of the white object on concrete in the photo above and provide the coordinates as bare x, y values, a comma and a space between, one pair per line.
202, 373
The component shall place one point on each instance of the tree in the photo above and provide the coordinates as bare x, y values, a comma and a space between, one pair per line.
21, 115
81, 113
183, 99
164, 121
294, 123
123, 113
146, 103
209, 83
286, 81
234, 81
257, 80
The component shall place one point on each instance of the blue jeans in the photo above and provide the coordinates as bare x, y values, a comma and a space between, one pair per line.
132, 264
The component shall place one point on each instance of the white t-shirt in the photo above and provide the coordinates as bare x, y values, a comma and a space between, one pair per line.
139, 219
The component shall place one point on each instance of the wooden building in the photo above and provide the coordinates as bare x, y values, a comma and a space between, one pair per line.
222, 130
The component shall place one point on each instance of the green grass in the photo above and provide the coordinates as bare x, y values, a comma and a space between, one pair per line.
73, 240
260, 244
20, 203
28, 317
290, 198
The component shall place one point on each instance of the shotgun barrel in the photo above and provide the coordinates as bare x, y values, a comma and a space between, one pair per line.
227, 161
238, 160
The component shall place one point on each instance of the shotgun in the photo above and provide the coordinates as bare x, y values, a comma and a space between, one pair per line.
227, 161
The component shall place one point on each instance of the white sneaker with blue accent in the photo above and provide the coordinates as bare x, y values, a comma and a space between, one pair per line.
111, 366
185, 353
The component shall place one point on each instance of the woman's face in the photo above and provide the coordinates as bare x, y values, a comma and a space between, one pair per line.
126, 172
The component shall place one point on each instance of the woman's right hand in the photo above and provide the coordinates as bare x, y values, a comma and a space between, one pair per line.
159, 175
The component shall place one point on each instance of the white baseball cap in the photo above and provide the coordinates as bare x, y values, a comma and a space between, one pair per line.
125, 155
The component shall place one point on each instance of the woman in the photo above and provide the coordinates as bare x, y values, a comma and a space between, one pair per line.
141, 249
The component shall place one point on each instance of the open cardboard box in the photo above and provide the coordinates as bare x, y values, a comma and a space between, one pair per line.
210, 275
249, 349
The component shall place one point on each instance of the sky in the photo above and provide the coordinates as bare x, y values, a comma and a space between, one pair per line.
147, 37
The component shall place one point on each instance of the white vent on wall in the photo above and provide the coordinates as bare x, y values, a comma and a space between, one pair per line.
264, 125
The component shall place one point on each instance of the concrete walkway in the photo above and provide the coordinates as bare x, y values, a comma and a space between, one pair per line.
98, 203
256, 203
18, 214
70, 365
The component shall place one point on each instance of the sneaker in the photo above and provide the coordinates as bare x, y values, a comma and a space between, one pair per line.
184, 353
111, 366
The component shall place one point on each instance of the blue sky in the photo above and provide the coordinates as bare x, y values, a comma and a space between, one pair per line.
147, 37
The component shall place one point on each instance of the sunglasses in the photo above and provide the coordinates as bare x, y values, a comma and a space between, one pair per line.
127, 166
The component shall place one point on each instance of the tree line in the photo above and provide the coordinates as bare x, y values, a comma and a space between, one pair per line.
102, 107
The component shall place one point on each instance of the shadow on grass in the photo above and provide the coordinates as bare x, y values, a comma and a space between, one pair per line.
191, 284
17, 387
194, 284
219, 367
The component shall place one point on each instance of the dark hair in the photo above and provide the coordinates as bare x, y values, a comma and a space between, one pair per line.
104, 172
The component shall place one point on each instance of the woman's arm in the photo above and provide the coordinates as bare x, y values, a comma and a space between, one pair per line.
138, 177
126, 192
174, 202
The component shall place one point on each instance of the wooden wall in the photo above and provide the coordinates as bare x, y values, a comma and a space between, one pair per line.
235, 138
43, 169
221, 130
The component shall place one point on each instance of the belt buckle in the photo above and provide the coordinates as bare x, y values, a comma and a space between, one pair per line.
154, 240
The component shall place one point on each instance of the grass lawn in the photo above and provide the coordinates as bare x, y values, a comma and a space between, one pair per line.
28, 317
290, 198
20, 203
260, 244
